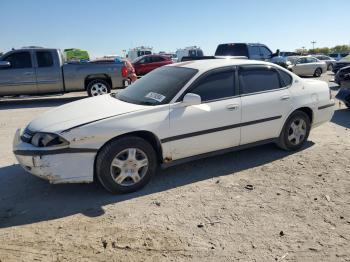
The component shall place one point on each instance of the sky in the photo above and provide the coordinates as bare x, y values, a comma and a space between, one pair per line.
105, 27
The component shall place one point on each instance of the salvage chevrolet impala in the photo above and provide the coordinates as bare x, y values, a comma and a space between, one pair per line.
174, 114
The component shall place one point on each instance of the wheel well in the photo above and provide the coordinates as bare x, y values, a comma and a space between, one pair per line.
307, 111
103, 77
146, 135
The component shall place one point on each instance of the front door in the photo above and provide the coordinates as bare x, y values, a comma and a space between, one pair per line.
266, 102
214, 124
20, 77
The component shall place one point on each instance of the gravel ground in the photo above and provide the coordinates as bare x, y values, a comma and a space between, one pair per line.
297, 210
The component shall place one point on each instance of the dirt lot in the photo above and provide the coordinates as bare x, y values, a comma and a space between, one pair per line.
299, 209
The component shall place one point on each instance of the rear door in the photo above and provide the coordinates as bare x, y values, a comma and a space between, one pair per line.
48, 72
19, 79
266, 102
214, 124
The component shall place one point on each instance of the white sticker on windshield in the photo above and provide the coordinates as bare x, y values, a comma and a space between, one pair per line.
155, 96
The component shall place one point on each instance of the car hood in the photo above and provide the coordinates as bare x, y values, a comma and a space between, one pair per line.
81, 112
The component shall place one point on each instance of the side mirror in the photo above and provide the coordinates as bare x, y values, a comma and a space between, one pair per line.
5, 64
191, 99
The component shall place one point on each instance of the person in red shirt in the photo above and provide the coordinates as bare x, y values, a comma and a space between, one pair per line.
131, 71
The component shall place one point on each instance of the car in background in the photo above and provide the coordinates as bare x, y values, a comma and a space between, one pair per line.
338, 56
306, 65
147, 63
189, 52
345, 61
35, 71
286, 54
251, 51
177, 113
327, 59
343, 74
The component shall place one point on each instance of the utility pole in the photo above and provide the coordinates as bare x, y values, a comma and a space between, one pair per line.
303, 50
313, 44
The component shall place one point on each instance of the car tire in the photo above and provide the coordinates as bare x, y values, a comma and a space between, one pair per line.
347, 105
330, 67
98, 87
318, 72
295, 131
118, 165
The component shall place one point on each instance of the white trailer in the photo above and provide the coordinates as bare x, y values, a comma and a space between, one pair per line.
139, 51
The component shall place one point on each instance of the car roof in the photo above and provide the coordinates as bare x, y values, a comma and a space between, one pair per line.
208, 64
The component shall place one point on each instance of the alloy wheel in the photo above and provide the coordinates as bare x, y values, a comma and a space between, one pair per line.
99, 89
129, 166
297, 131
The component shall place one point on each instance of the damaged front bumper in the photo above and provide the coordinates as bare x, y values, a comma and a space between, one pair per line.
59, 165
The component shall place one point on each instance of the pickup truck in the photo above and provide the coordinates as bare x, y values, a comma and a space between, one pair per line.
248, 50
35, 71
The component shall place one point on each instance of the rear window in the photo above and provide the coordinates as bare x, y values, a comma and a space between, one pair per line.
232, 50
286, 78
253, 79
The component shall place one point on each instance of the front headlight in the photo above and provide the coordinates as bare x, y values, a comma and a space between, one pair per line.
48, 139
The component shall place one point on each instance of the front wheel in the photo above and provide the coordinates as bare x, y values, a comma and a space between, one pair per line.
126, 165
318, 72
98, 87
295, 131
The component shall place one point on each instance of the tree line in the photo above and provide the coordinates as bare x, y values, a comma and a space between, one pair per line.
325, 50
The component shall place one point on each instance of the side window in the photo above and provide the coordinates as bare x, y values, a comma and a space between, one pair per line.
265, 52
19, 60
302, 61
286, 78
44, 59
311, 60
157, 59
258, 79
215, 86
254, 51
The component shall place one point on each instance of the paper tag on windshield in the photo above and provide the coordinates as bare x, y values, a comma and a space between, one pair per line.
155, 96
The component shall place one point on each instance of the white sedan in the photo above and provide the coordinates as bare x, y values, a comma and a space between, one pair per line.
306, 65
176, 113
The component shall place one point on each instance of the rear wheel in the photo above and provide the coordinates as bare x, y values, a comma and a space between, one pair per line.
98, 87
126, 165
295, 131
318, 72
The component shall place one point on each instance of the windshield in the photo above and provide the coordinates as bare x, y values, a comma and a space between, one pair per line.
158, 87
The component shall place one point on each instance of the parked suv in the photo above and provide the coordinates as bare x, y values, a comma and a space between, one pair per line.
147, 63
251, 51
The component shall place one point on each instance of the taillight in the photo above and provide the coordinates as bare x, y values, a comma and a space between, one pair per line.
124, 71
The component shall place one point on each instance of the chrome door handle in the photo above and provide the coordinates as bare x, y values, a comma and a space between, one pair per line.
285, 97
232, 107
28, 73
